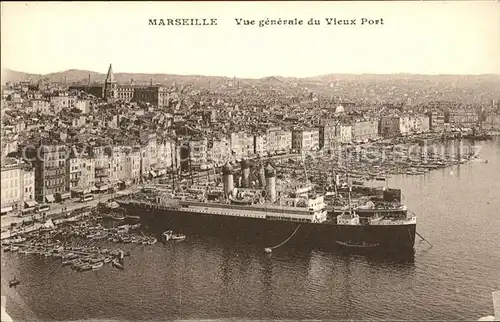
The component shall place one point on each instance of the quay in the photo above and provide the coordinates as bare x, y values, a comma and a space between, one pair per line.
496, 308
55, 212
5, 317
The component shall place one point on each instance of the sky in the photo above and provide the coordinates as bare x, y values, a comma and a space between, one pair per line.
417, 37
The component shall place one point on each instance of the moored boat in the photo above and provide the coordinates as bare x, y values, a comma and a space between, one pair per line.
97, 266
351, 244
85, 267
116, 263
13, 282
169, 235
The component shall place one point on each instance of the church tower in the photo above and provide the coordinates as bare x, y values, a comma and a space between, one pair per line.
110, 93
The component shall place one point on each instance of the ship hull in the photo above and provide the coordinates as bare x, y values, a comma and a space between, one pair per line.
268, 233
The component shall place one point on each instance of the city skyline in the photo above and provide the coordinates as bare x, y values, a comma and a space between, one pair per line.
445, 38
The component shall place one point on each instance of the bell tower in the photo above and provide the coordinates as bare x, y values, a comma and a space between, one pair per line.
110, 86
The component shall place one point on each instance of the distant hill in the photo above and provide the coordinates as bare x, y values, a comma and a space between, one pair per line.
75, 76
401, 76
349, 87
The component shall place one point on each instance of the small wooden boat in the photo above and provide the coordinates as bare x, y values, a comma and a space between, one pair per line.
68, 263
169, 235
77, 265
351, 244
85, 267
107, 260
136, 226
97, 266
117, 264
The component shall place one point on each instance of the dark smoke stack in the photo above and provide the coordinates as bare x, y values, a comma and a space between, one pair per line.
245, 172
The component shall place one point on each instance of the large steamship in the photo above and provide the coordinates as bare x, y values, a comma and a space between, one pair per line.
268, 214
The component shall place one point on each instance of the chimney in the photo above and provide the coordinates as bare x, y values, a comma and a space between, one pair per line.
245, 172
227, 175
270, 174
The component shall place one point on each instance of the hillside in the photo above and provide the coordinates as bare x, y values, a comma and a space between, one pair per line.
75, 76
363, 87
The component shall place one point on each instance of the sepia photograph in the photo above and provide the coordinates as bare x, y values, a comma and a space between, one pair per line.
250, 160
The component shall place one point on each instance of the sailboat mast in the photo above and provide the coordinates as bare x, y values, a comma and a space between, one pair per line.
189, 160
173, 157
348, 183
304, 163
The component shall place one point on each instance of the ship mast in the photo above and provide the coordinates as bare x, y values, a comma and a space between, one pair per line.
348, 183
303, 152
189, 160
173, 157
334, 176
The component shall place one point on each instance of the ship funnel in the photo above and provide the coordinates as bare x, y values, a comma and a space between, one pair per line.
245, 172
270, 175
227, 175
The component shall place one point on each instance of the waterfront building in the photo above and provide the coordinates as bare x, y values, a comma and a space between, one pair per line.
305, 139
436, 121
165, 149
343, 133
393, 125
101, 165
327, 138
242, 144
87, 174
278, 140
260, 144
462, 117
492, 122
197, 152
73, 172
149, 153
49, 161
219, 149
12, 185
28, 189
363, 130
424, 123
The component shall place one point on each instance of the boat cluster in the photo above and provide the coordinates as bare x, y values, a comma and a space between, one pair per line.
97, 232
372, 162
80, 258
73, 241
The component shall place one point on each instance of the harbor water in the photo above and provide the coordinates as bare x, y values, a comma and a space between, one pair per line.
458, 212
